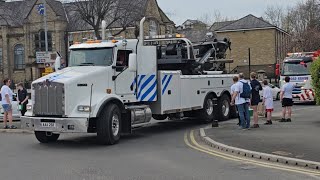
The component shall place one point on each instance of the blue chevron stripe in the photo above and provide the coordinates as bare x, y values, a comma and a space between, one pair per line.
141, 78
166, 85
153, 96
154, 85
164, 78
145, 84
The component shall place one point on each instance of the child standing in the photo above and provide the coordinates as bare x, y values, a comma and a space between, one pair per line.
268, 101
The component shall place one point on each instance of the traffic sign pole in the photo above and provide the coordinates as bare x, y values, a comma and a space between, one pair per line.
45, 24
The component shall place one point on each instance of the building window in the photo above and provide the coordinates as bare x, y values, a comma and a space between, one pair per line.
1, 59
40, 41
153, 28
19, 57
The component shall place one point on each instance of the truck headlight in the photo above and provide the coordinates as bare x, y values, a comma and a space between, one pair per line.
29, 107
84, 108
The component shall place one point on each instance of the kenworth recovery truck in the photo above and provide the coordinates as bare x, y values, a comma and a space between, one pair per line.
111, 87
297, 66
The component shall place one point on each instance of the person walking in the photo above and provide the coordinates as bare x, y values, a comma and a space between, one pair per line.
268, 101
255, 98
6, 100
286, 99
241, 98
22, 98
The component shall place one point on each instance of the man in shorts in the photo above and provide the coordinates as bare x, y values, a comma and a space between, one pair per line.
286, 99
6, 94
255, 98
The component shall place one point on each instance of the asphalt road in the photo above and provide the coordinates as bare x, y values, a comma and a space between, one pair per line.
157, 152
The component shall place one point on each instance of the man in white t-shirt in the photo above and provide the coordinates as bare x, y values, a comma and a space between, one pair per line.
6, 100
286, 99
233, 90
241, 103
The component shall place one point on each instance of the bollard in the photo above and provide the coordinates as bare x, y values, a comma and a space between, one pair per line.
215, 122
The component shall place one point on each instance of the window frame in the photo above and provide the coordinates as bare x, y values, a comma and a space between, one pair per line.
39, 42
17, 64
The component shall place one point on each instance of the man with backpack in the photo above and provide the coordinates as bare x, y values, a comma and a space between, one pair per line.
241, 98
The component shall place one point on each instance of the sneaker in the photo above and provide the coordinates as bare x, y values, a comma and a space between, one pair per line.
255, 126
288, 120
6, 127
283, 120
13, 127
268, 123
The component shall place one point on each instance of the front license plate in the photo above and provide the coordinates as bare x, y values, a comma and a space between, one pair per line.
48, 124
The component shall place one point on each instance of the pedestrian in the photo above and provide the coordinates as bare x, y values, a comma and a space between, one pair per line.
267, 101
286, 99
6, 100
241, 98
235, 80
22, 98
255, 98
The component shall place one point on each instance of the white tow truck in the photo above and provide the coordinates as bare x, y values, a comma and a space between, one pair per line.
111, 87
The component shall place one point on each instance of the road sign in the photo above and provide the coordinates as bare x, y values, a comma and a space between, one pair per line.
41, 9
43, 57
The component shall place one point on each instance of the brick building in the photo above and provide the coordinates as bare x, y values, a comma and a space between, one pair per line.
22, 34
268, 44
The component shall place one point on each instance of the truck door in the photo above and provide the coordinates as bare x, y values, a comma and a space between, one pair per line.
125, 77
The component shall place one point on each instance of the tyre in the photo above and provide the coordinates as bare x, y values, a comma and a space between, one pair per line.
159, 117
207, 113
44, 137
278, 96
224, 108
109, 125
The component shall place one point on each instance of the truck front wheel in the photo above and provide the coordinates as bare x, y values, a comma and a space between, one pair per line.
45, 137
109, 125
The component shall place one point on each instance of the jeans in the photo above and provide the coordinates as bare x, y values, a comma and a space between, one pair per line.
244, 115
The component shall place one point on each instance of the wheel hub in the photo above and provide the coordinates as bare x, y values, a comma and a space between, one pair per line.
225, 108
115, 125
209, 106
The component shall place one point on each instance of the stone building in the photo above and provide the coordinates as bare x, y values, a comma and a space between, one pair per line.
157, 23
268, 44
22, 35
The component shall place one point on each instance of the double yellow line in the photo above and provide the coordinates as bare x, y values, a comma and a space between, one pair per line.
189, 139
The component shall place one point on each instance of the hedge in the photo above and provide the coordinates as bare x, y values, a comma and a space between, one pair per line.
315, 74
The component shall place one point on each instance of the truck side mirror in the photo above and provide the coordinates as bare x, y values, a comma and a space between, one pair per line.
133, 62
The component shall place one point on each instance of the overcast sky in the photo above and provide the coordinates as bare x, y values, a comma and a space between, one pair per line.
180, 10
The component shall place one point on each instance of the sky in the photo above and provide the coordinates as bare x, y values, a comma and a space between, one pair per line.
181, 10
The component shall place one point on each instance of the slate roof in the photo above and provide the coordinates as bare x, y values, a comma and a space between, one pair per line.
248, 22
194, 21
218, 25
14, 13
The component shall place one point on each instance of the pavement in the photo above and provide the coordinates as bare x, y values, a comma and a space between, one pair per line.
298, 139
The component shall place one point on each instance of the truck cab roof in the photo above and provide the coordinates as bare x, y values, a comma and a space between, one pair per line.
104, 44
298, 59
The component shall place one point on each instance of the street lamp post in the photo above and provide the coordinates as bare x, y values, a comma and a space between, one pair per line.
45, 25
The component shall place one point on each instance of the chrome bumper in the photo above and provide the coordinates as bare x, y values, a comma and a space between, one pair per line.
61, 125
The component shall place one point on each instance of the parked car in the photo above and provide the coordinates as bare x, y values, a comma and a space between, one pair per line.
275, 92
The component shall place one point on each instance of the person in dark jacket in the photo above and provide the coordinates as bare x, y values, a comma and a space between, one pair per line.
255, 98
22, 98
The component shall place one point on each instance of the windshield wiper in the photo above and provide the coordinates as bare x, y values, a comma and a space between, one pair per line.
86, 64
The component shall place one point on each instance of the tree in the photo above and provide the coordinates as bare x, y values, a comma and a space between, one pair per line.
275, 15
117, 13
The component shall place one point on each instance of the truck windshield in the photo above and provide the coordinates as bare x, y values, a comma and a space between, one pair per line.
296, 69
91, 57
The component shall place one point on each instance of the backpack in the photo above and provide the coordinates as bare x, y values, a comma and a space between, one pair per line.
246, 93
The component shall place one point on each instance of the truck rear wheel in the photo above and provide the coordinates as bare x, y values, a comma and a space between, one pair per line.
207, 113
224, 108
45, 137
109, 125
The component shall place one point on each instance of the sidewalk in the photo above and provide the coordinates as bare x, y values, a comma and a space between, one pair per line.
298, 139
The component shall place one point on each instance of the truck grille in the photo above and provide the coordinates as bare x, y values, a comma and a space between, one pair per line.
48, 99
